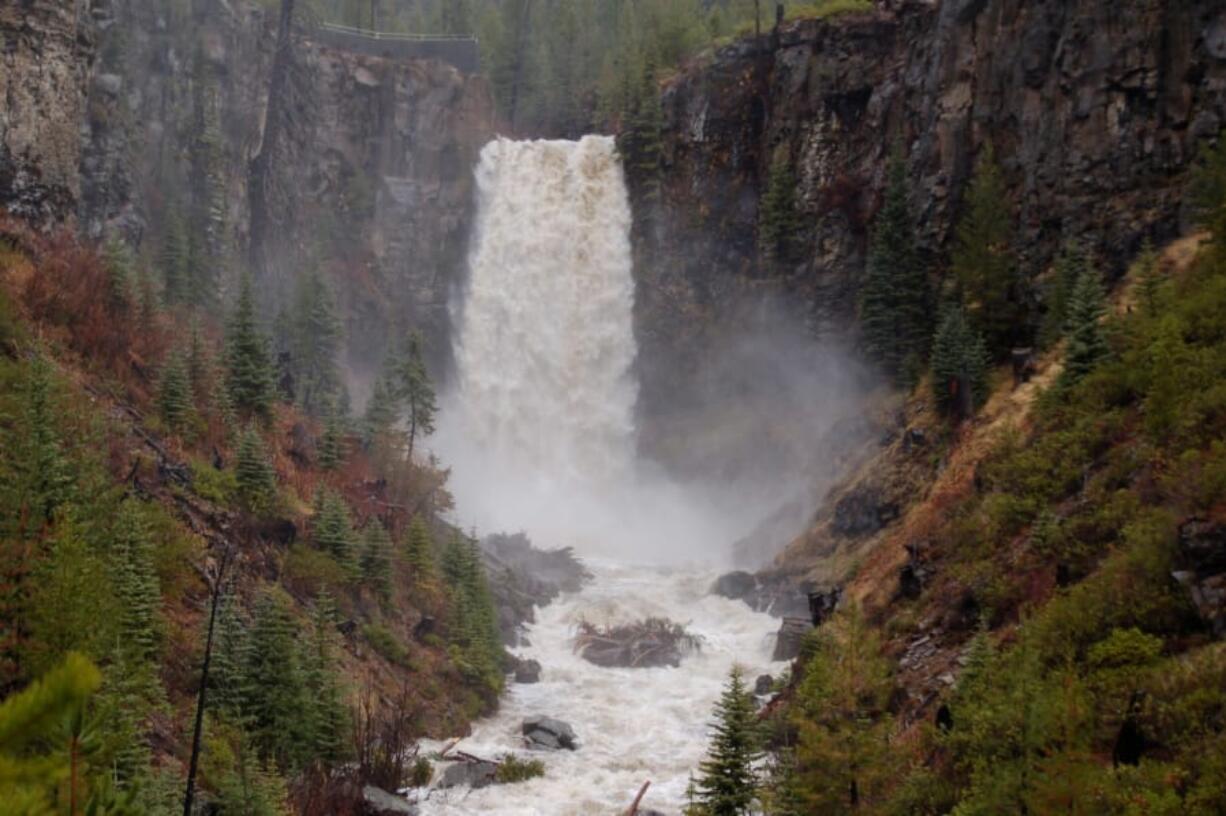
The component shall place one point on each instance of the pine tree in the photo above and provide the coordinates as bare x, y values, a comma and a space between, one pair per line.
959, 366
377, 558
315, 333
173, 257
326, 715
257, 485
381, 411
474, 620
1068, 268
983, 261
778, 221
894, 309
231, 656
419, 551
136, 586
332, 443
1149, 278
332, 529
641, 139
1086, 344
199, 366
249, 370
43, 477
121, 276
277, 694
416, 391
727, 782
174, 393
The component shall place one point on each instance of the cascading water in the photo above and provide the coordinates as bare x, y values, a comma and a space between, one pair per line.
540, 434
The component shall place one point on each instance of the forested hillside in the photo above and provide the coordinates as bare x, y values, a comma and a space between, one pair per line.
181, 503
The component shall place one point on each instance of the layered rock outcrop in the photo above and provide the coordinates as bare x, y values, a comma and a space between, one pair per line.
46, 50
1095, 111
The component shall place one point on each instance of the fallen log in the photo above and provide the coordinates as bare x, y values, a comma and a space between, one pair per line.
634, 806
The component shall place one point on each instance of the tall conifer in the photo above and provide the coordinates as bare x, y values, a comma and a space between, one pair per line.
727, 781
249, 369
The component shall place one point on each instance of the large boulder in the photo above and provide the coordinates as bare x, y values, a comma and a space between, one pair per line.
469, 774
790, 638
736, 586
648, 643
548, 734
378, 802
527, 671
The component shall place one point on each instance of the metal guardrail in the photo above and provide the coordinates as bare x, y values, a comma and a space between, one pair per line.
386, 36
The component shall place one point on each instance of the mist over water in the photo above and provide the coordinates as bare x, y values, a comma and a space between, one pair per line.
538, 426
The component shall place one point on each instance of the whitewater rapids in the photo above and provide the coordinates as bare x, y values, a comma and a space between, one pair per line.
633, 725
538, 428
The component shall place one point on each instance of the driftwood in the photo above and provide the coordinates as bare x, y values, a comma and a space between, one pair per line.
634, 806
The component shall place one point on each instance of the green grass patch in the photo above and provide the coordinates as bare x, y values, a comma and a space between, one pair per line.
513, 769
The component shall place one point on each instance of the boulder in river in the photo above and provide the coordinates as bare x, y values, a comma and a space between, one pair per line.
549, 734
378, 802
791, 635
527, 671
764, 685
643, 644
477, 774
736, 586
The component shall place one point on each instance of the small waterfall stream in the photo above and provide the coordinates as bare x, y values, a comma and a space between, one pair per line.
539, 430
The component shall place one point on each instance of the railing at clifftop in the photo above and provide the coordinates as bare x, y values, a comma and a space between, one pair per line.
459, 50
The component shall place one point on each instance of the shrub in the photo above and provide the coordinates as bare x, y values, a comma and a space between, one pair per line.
386, 644
513, 769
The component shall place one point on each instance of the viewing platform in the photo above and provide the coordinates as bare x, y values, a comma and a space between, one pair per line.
459, 50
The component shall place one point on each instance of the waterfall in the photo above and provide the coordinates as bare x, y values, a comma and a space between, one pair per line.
546, 341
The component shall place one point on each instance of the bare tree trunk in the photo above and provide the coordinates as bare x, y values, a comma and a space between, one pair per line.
198, 728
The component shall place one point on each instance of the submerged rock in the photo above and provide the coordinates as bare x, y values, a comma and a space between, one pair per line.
548, 734
527, 671
478, 774
649, 643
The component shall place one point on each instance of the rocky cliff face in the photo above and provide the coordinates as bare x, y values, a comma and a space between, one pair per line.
122, 112
1094, 111
46, 47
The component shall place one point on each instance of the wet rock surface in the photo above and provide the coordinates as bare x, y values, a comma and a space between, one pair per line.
378, 802
791, 637
523, 577
527, 671
548, 734
650, 643
469, 774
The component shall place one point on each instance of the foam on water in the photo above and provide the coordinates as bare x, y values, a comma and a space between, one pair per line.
633, 724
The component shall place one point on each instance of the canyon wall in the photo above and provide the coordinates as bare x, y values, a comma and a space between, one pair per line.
1095, 112
121, 114
46, 47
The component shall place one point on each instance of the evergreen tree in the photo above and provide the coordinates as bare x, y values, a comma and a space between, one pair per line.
174, 397
727, 782
1149, 278
257, 481
959, 366
641, 139
332, 443
895, 300
332, 530
121, 276
377, 558
474, 620
328, 719
198, 366
1086, 344
419, 551
136, 585
778, 221
983, 261
315, 334
416, 391
842, 717
1068, 268
381, 411
173, 258
42, 478
231, 656
277, 695
249, 369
